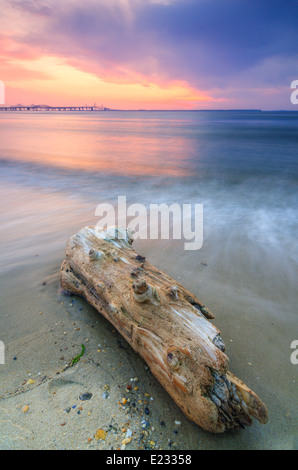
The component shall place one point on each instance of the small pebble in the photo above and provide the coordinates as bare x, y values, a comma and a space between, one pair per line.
85, 396
100, 434
126, 441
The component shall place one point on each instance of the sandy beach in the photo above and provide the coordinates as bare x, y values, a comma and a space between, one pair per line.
39, 349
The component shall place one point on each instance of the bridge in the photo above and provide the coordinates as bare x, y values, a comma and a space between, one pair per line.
52, 108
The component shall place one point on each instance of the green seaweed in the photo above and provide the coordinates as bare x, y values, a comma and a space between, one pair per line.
78, 357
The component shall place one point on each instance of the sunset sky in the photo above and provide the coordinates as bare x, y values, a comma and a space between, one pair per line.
150, 54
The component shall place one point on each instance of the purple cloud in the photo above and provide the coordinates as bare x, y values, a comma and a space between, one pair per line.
211, 45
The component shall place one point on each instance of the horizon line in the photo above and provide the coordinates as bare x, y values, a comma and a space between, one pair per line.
105, 109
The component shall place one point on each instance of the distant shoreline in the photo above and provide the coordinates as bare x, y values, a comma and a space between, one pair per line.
67, 109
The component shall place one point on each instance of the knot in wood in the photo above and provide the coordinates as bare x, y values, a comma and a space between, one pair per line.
173, 360
95, 255
140, 287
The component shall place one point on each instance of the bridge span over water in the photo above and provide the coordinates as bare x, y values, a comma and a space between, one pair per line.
52, 108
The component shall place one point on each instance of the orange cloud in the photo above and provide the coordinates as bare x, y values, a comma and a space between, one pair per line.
40, 67
54, 81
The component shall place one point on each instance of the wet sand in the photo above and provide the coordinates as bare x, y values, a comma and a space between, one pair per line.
43, 331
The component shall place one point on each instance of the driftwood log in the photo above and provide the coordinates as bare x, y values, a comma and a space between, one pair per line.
167, 325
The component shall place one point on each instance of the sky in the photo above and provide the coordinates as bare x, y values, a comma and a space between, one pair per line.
150, 54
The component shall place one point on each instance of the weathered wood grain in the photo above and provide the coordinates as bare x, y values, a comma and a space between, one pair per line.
167, 325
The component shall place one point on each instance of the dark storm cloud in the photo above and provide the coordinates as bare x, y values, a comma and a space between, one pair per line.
217, 38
